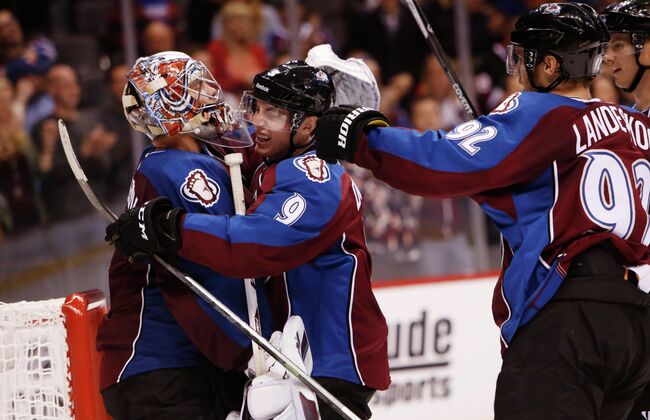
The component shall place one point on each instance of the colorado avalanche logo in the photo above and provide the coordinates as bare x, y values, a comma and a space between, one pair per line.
322, 76
552, 8
315, 168
509, 104
198, 188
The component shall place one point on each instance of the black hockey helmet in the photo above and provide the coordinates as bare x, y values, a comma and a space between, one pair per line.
572, 32
296, 86
633, 17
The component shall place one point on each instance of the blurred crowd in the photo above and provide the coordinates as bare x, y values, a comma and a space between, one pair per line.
65, 59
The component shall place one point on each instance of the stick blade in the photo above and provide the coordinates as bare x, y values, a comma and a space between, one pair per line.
80, 175
69, 153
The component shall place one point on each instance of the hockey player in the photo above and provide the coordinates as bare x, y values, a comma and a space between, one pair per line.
628, 54
565, 178
165, 353
305, 226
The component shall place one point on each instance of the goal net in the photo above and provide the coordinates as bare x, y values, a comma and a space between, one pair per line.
48, 362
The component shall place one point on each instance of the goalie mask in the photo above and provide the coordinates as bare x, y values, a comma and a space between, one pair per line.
170, 93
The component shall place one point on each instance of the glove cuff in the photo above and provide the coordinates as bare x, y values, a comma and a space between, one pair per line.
168, 226
365, 122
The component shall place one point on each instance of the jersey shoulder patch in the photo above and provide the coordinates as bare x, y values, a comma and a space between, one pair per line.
199, 188
508, 105
314, 168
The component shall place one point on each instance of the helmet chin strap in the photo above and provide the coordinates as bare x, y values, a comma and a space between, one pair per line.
639, 74
297, 122
530, 62
531, 79
638, 40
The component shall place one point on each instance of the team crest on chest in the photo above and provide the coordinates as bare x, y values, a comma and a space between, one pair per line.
316, 169
199, 188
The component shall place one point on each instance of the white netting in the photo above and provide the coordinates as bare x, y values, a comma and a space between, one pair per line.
34, 374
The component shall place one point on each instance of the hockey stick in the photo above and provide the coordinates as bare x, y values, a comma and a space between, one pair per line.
233, 160
196, 287
434, 44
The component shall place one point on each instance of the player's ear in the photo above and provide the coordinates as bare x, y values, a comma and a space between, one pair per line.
309, 125
551, 65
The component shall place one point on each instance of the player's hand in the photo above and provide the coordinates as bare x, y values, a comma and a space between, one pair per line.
339, 129
149, 229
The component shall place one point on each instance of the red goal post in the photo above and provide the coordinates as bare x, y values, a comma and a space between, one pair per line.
49, 366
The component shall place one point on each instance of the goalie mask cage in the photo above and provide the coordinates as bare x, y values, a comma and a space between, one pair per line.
49, 366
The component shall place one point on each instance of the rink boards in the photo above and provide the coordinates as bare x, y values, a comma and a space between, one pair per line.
443, 348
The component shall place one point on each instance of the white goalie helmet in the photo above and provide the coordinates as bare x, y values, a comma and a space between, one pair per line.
170, 93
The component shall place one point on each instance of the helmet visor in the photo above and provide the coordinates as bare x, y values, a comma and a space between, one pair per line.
263, 114
220, 125
514, 56
620, 45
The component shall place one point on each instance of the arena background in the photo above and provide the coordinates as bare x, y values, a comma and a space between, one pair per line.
67, 59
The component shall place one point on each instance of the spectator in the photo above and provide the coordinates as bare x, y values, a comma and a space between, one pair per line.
271, 27
388, 34
311, 32
25, 64
236, 56
19, 57
61, 194
425, 113
31, 90
144, 12
392, 93
434, 83
158, 37
22, 207
489, 60
11, 37
445, 212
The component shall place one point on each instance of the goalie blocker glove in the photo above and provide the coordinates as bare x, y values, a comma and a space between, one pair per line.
339, 129
146, 230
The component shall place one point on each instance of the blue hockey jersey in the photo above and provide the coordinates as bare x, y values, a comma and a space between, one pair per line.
557, 175
306, 226
156, 321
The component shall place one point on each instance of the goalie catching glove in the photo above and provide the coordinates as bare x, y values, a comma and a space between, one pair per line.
339, 129
147, 230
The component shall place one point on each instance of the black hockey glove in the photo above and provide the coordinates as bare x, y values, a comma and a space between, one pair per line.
148, 229
339, 129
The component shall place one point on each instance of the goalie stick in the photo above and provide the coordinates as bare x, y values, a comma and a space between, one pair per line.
434, 44
233, 160
197, 288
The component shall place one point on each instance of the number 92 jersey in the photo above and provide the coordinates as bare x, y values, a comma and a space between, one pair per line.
557, 175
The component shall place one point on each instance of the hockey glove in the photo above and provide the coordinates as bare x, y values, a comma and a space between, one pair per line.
146, 230
339, 129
